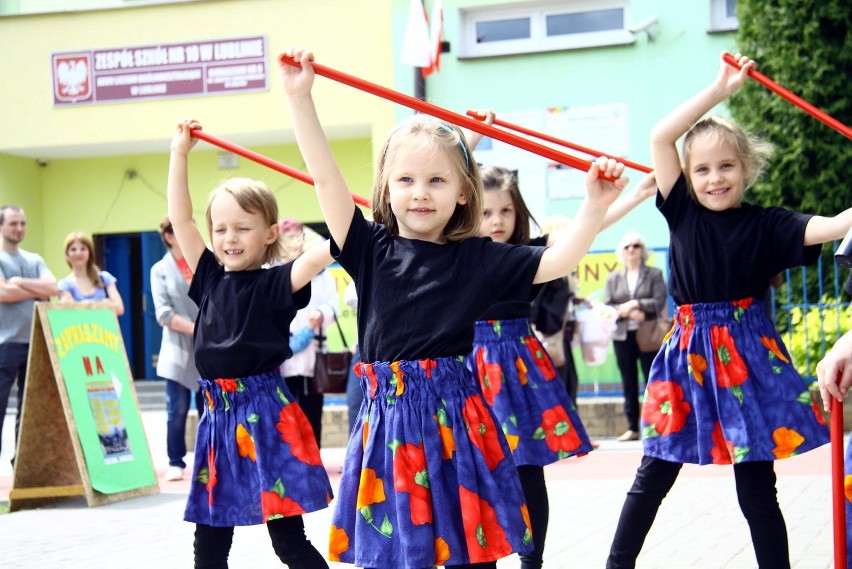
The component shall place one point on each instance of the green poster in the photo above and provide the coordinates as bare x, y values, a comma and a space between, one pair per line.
91, 356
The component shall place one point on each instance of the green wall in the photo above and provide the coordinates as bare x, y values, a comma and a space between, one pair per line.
650, 76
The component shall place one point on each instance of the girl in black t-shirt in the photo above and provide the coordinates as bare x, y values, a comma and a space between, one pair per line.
722, 389
256, 460
428, 477
515, 371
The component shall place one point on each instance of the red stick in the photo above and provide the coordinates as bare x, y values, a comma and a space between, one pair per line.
448, 116
268, 162
838, 493
554, 140
793, 98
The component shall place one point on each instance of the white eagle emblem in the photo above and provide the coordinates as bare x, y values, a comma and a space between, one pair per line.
73, 76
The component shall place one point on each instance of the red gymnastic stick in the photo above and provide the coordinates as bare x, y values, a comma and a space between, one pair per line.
792, 98
837, 487
268, 162
446, 115
554, 140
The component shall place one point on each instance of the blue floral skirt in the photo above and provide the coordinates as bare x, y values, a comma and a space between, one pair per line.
723, 390
428, 478
520, 382
256, 457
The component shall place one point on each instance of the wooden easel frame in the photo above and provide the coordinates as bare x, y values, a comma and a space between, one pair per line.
49, 464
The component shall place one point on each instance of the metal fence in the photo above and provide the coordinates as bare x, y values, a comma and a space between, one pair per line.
799, 308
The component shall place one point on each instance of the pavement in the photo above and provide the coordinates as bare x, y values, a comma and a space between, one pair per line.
698, 526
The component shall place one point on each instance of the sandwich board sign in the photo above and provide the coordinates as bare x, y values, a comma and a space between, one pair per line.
81, 429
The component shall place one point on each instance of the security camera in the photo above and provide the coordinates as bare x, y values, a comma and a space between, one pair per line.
645, 24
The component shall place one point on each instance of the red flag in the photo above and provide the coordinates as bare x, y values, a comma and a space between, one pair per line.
435, 39
416, 49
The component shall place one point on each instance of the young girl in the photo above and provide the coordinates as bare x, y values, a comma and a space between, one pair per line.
256, 460
86, 282
515, 372
722, 389
428, 478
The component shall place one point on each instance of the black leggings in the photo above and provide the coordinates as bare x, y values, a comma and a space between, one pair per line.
535, 493
756, 495
213, 544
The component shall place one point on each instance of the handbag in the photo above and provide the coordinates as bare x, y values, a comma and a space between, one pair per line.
554, 346
651, 333
331, 370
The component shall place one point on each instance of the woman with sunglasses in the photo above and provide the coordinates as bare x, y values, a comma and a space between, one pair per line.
638, 292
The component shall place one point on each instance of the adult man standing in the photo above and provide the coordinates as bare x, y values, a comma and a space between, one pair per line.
24, 278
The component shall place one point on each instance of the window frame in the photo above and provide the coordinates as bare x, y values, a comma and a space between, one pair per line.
539, 42
719, 19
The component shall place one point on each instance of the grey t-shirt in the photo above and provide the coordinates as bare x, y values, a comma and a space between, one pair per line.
16, 318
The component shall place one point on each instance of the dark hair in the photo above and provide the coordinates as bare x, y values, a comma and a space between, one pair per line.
496, 178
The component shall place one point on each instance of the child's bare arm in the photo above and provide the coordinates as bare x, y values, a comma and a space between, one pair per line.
824, 229
574, 241
666, 132
646, 188
179, 201
333, 194
310, 264
473, 138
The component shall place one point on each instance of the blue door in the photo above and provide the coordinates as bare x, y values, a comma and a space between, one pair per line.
152, 251
118, 260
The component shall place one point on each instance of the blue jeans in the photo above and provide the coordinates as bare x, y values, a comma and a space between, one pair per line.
13, 370
177, 408
353, 390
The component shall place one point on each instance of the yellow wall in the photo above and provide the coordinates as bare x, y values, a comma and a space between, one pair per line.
90, 148
20, 185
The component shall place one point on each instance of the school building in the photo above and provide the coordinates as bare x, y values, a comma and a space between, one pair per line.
94, 89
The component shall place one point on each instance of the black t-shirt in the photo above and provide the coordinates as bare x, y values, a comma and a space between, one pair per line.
243, 324
731, 254
511, 309
418, 299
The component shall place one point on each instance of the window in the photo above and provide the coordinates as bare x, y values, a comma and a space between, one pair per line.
543, 25
723, 15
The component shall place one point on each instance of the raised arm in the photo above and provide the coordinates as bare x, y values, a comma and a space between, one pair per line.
824, 229
666, 132
646, 188
473, 138
574, 241
333, 194
179, 201
309, 264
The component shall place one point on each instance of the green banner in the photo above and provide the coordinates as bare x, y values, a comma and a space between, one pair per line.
91, 356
